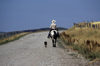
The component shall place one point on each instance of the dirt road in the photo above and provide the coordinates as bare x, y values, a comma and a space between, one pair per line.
30, 51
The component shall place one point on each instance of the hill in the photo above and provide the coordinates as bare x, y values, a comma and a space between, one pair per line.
84, 33
8, 34
85, 40
1, 32
42, 29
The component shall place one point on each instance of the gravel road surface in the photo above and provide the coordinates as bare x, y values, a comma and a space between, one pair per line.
30, 51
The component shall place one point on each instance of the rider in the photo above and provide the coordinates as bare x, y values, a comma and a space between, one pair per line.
53, 27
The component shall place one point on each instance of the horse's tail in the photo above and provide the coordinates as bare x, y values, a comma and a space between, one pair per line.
55, 35
54, 32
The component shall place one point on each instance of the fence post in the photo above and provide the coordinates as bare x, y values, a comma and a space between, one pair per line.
99, 26
91, 24
95, 26
74, 24
86, 25
2, 36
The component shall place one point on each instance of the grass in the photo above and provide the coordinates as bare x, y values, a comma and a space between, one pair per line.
15, 37
72, 54
12, 38
79, 37
83, 50
92, 33
59, 43
71, 29
73, 35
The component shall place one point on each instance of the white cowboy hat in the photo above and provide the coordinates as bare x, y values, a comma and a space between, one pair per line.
53, 21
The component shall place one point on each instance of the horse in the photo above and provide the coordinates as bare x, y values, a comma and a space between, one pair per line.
53, 34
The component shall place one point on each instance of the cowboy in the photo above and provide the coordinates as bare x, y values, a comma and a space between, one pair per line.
53, 26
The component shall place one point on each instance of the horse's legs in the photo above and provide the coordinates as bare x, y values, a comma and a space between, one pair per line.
55, 42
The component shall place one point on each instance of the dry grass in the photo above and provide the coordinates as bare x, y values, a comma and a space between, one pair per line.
84, 34
96, 22
81, 35
12, 38
15, 37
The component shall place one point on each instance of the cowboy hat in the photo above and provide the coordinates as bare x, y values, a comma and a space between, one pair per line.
53, 21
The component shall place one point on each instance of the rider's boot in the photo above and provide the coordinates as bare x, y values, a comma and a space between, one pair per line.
48, 35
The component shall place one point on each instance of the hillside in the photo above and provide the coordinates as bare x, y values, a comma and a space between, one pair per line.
1, 32
4, 36
84, 33
42, 29
85, 40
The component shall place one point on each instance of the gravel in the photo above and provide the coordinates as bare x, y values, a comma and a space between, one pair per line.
30, 51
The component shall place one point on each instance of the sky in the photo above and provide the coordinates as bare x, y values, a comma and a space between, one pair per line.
16, 15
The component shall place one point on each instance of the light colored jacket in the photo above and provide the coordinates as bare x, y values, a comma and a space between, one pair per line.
53, 26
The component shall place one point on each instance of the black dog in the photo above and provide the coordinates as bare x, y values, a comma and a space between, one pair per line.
45, 43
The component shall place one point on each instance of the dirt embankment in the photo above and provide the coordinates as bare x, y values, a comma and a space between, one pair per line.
85, 40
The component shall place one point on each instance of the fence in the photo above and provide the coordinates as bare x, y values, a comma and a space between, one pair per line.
8, 34
95, 25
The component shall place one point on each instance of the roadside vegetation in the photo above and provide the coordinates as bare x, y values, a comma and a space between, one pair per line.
86, 41
12, 38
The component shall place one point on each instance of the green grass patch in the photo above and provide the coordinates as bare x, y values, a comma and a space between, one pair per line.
72, 35
86, 53
72, 54
60, 43
91, 33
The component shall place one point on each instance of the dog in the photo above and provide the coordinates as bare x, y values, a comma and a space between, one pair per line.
45, 43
